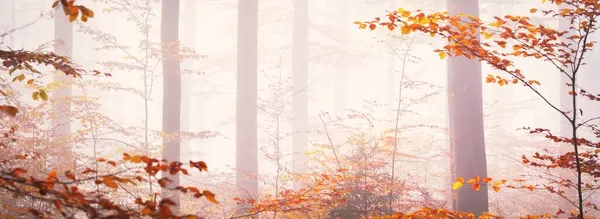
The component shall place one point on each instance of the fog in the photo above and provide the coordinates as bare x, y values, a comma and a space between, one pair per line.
324, 89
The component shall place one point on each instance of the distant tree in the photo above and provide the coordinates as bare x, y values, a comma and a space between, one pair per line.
300, 87
246, 108
171, 113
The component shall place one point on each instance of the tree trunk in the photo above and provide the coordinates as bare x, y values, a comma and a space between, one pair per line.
340, 69
465, 106
300, 83
246, 100
171, 112
63, 35
189, 40
565, 129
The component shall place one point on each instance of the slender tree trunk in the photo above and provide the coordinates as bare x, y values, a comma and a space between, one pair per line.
189, 40
246, 100
391, 83
171, 112
466, 123
300, 83
63, 34
340, 69
565, 129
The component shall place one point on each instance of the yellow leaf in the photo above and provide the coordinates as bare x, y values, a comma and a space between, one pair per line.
405, 13
543, 1
425, 20
457, 185
495, 24
487, 35
405, 30
35, 95
472, 180
442, 55
400, 10
43, 95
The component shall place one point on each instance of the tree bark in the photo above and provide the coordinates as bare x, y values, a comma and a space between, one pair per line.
171, 109
340, 69
63, 35
465, 107
189, 40
246, 100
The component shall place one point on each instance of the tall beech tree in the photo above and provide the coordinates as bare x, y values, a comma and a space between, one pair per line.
61, 107
246, 100
465, 110
171, 108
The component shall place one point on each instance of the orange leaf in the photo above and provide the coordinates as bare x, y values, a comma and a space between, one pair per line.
210, 196
476, 186
18, 172
146, 211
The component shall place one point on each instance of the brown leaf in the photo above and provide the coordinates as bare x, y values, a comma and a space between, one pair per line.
10, 110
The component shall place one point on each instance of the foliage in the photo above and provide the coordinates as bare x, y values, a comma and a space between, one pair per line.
86, 190
515, 37
72, 10
349, 178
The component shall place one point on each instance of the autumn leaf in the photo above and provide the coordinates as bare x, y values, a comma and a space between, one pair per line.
146, 211
43, 95
372, 26
476, 186
459, 183
10, 110
487, 35
210, 196
533, 10
442, 55
18, 172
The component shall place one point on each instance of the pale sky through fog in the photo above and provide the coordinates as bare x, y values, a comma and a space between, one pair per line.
365, 56
216, 39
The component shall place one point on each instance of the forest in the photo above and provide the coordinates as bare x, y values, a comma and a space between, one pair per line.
352, 109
